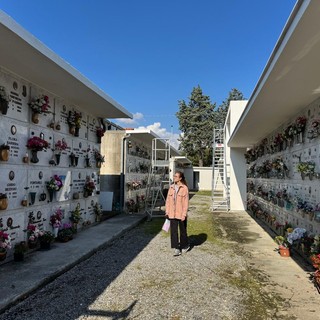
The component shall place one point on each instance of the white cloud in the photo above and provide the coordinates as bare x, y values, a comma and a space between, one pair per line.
163, 133
134, 121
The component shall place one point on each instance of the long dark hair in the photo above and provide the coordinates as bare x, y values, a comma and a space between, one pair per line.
183, 178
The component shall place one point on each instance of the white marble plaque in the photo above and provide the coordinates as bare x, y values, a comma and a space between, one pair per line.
64, 160
82, 205
39, 216
37, 180
13, 182
80, 149
18, 90
90, 202
93, 124
14, 225
14, 134
61, 115
78, 181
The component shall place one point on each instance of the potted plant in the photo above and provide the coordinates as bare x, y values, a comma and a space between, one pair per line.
4, 152
302, 167
98, 157
5, 244
20, 249
56, 221
74, 121
38, 106
33, 234
36, 144
284, 245
65, 234
3, 201
75, 217
98, 211
46, 239
60, 146
54, 185
89, 187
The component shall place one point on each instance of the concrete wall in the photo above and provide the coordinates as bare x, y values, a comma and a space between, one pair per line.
205, 178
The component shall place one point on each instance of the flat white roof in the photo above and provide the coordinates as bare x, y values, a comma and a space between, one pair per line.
27, 57
290, 80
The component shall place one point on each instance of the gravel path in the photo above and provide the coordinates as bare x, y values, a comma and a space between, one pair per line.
138, 278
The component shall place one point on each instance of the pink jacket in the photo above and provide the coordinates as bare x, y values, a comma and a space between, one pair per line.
177, 208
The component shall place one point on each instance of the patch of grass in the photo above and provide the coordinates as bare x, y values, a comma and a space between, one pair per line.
203, 193
258, 304
154, 226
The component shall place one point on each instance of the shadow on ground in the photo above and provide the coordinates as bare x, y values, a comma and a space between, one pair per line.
85, 282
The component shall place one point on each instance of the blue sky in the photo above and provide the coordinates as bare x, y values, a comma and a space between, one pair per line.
148, 54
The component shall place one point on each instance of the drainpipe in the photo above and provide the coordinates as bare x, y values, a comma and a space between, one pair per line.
123, 168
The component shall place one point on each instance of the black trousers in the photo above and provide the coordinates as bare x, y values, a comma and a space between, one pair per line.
182, 225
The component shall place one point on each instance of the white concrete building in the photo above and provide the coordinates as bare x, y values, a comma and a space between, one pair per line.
31, 73
279, 124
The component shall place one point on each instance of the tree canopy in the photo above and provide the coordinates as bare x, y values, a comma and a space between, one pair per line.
197, 119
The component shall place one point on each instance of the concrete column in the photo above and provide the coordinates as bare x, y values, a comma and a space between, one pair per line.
238, 179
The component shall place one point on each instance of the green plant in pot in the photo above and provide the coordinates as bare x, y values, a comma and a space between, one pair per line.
20, 249
46, 239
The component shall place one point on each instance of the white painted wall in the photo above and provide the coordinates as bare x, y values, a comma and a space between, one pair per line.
205, 178
235, 160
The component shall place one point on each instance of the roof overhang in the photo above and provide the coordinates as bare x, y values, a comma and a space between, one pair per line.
290, 80
24, 55
182, 160
147, 136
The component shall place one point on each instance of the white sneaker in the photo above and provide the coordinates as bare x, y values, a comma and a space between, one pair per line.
176, 252
185, 249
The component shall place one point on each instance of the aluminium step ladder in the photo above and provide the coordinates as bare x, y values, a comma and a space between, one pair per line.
220, 175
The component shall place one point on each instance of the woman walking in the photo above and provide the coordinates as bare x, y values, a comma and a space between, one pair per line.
176, 210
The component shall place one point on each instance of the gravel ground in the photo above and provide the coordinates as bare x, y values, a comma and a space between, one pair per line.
137, 277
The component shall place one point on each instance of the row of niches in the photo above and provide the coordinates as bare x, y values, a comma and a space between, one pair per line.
303, 203
291, 193
20, 144
138, 150
301, 131
20, 187
138, 165
280, 217
79, 214
29, 104
301, 164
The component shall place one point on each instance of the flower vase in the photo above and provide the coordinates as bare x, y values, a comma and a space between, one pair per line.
35, 117
55, 232
51, 192
76, 161
98, 139
88, 165
310, 176
76, 132
303, 175
86, 194
32, 197
58, 159
98, 164
4, 105
4, 154
72, 129
284, 252
3, 254
4, 203
72, 160
34, 156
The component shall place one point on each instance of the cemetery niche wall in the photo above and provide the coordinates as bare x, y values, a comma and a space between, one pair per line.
283, 173
49, 161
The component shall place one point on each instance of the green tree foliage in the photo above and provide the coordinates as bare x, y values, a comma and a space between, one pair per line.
222, 110
196, 121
